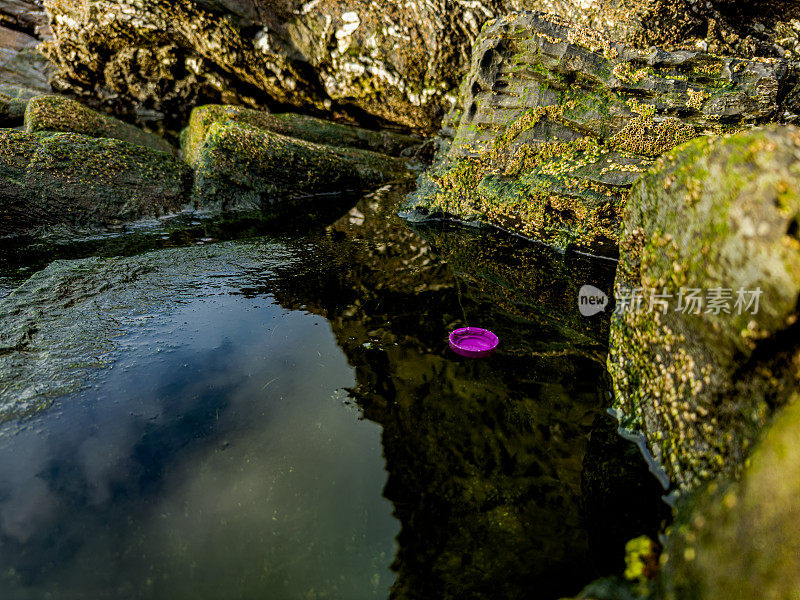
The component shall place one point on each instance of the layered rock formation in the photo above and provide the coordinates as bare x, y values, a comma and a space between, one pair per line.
23, 26
558, 122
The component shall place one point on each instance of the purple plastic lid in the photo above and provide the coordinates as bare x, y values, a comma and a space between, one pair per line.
473, 342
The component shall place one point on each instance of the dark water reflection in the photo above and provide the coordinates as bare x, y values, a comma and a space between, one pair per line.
223, 455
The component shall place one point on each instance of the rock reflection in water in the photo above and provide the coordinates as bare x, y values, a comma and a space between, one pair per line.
487, 459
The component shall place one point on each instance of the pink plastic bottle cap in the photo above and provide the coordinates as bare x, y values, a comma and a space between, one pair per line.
473, 342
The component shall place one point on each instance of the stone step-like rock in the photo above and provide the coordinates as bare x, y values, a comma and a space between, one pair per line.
293, 125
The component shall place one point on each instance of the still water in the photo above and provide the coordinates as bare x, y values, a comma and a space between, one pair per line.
279, 416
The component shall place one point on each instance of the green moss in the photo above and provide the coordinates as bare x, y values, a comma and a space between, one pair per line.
292, 125
244, 168
59, 114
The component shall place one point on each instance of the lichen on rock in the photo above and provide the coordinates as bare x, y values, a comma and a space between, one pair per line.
715, 219
559, 121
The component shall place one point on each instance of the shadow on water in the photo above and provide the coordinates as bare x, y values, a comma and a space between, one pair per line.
222, 457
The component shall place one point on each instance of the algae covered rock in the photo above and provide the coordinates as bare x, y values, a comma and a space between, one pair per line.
73, 180
293, 125
558, 122
739, 540
703, 342
56, 113
240, 168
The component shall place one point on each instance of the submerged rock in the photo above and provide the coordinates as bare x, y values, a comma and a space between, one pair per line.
56, 113
292, 125
65, 323
739, 540
73, 180
704, 342
558, 122
240, 168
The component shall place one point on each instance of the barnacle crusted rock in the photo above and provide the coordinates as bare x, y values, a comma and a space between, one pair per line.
397, 62
716, 219
558, 122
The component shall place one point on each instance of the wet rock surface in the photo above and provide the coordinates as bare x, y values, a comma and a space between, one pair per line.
704, 347
749, 526
76, 181
61, 325
559, 121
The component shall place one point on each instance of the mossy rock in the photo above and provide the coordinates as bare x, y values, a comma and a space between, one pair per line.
738, 540
559, 121
716, 219
68, 179
241, 168
60, 114
293, 125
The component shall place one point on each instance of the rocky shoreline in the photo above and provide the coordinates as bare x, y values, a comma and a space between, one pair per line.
660, 133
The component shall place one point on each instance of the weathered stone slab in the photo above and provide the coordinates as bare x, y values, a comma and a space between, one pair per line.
59, 114
245, 169
293, 125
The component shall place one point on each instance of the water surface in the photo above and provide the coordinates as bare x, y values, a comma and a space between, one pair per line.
280, 417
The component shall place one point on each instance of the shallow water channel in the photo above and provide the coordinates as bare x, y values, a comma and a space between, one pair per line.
279, 416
